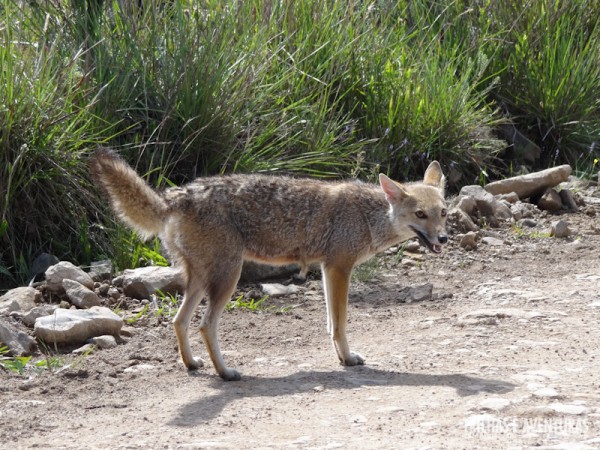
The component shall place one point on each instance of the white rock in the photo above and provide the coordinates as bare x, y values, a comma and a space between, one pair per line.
140, 283
18, 299
66, 270
39, 311
546, 393
68, 326
503, 313
139, 368
278, 290
18, 342
560, 229
79, 295
565, 408
492, 241
530, 184
103, 342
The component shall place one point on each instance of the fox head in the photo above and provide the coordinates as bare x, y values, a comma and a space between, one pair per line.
419, 209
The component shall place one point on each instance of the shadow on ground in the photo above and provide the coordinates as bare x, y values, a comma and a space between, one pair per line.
206, 408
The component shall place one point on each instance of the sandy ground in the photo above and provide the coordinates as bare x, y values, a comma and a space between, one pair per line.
506, 355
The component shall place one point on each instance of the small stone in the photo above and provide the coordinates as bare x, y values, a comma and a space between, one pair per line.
39, 311
412, 247
79, 295
101, 270
546, 393
530, 223
103, 342
511, 197
468, 241
278, 290
18, 342
550, 201
84, 350
494, 404
18, 299
564, 408
568, 200
560, 229
492, 241
139, 368
408, 262
114, 293
66, 270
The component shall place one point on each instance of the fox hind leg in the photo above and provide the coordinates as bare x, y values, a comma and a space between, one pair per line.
336, 284
220, 290
181, 323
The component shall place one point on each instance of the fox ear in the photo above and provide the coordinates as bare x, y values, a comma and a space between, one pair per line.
393, 191
434, 176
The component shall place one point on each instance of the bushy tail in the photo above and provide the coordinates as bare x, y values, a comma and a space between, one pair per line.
130, 196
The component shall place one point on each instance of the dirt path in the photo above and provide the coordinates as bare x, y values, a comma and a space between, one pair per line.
505, 355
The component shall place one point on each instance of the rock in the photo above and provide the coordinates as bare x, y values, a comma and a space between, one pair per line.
417, 293
138, 368
530, 223
42, 263
103, 342
550, 201
564, 408
560, 229
279, 290
522, 210
468, 241
73, 327
486, 204
412, 246
408, 262
65, 270
511, 197
489, 240
101, 270
39, 311
531, 184
140, 283
79, 295
465, 203
84, 349
253, 271
461, 221
568, 200
502, 313
19, 299
546, 393
18, 342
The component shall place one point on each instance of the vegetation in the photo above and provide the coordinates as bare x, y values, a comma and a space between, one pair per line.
326, 89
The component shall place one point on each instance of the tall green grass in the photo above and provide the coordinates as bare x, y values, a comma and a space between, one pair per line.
327, 89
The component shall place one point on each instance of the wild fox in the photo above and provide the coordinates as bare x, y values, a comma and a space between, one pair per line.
211, 225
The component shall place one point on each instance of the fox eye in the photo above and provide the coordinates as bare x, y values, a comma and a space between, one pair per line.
420, 214
444, 212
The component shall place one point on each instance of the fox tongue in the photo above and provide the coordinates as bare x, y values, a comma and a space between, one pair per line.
436, 248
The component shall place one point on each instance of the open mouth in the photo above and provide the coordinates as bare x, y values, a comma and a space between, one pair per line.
434, 248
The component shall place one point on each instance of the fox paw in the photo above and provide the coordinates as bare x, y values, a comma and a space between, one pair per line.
230, 375
195, 364
354, 359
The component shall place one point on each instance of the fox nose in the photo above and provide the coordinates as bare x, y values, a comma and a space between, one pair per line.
442, 238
